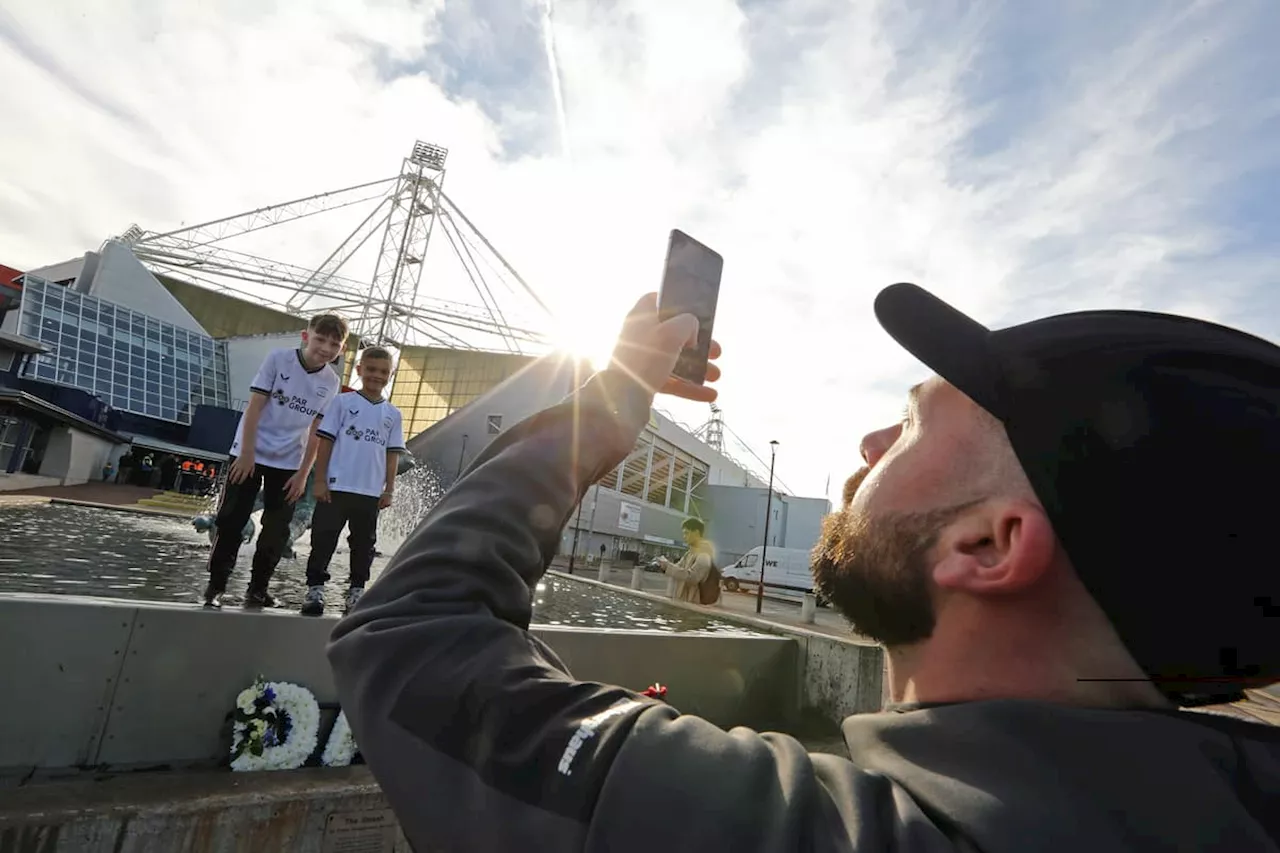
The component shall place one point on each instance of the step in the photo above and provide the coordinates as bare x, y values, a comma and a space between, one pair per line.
188, 506
181, 499
177, 497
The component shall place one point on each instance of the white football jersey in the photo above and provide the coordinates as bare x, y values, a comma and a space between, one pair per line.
296, 397
363, 431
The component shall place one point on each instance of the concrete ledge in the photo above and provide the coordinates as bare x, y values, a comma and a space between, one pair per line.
21, 500
133, 508
103, 683
836, 677
198, 811
32, 500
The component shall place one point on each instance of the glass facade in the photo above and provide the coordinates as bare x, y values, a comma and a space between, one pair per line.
432, 383
132, 361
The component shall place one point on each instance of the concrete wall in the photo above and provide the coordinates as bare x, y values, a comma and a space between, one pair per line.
835, 678
452, 444
737, 520
736, 524
75, 457
121, 278
804, 521
61, 271
224, 316
302, 811
658, 526
124, 685
456, 441
244, 357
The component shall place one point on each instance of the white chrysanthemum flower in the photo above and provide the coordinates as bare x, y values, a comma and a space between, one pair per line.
298, 706
341, 748
245, 701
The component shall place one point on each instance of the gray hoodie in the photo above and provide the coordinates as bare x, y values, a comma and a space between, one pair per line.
483, 741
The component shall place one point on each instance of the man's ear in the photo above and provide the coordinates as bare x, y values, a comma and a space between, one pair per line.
1000, 547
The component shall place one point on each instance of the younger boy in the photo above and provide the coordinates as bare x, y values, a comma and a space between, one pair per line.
361, 439
273, 451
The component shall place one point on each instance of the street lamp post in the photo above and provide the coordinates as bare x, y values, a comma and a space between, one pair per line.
768, 511
577, 528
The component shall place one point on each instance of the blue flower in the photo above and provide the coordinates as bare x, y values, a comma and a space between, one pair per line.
269, 694
269, 739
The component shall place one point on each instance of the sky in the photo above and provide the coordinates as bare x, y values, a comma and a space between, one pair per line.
1020, 159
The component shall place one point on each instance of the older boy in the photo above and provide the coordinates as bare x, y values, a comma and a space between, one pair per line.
273, 451
361, 439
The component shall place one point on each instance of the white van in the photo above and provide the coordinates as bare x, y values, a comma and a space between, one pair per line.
786, 572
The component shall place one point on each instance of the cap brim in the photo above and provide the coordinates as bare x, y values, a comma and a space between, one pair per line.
952, 345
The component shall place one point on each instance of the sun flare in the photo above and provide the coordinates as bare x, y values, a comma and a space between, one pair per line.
586, 338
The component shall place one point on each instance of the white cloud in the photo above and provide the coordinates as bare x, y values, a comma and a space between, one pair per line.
825, 148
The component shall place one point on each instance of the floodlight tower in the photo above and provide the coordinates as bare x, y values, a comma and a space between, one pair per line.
414, 207
715, 428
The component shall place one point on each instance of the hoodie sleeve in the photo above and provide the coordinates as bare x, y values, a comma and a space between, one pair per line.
482, 740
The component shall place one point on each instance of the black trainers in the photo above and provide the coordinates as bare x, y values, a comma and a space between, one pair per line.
212, 598
313, 604
258, 598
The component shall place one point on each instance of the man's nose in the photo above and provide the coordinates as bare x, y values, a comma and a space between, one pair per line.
876, 444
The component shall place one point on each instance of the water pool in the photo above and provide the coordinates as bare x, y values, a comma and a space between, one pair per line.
75, 550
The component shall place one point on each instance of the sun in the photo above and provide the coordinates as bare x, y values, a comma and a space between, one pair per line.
584, 336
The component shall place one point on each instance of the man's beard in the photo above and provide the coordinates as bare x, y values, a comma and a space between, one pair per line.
877, 571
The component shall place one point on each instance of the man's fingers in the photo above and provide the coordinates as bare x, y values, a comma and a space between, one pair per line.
680, 332
688, 391
714, 352
713, 373
646, 306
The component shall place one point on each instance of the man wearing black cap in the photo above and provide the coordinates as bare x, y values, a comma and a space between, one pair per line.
1067, 537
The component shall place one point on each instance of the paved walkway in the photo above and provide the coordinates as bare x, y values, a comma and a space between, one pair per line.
95, 494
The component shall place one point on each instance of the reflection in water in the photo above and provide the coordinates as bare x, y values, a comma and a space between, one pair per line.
56, 548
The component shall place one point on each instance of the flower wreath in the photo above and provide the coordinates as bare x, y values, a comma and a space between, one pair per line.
276, 726
341, 748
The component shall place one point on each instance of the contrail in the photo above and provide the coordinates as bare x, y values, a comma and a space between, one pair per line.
549, 40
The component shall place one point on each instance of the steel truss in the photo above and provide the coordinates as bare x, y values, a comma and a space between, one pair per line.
388, 308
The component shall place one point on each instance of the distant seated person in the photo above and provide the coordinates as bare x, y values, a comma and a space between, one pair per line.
694, 566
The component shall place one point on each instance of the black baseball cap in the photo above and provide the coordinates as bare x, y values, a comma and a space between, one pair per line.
1153, 442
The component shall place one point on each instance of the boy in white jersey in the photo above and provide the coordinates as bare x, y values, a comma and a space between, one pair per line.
274, 449
361, 439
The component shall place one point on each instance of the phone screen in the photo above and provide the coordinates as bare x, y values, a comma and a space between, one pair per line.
691, 285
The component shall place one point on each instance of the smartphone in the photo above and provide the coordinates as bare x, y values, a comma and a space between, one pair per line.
691, 285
